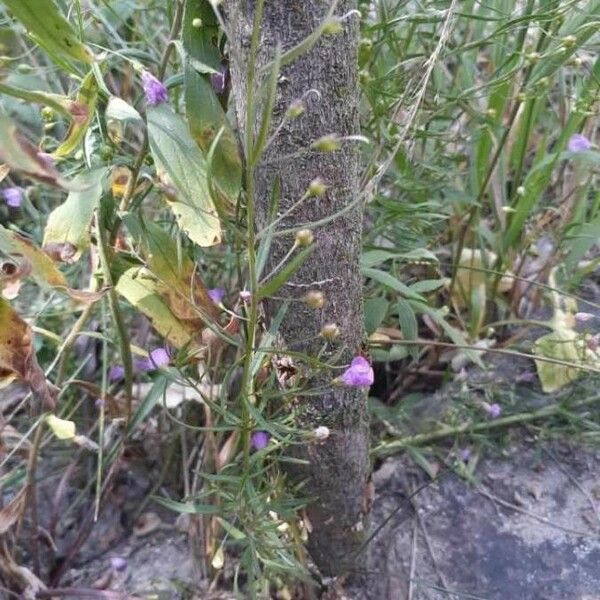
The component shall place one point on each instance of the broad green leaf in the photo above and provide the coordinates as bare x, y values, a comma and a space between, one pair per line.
43, 269
21, 155
86, 98
17, 355
119, 110
408, 324
67, 232
141, 290
204, 112
49, 28
181, 166
61, 428
375, 312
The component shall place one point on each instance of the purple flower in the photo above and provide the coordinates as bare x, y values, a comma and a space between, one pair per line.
118, 563
259, 440
359, 373
116, 372
159, 357
493, 410
465, 454
245, 296
219, 80
578, 143
217, 295
13, 196
155, 91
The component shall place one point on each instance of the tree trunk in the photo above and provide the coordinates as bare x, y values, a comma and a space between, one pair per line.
339, 467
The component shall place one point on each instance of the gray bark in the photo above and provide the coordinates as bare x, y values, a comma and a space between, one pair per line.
338, 473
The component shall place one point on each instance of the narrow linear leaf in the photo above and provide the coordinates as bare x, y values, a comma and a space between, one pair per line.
272, 286
49, 28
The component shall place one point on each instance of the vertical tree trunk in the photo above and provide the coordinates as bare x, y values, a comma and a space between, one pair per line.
338, 473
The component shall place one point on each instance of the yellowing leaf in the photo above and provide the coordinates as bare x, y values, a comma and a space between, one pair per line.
182, 169
562, 344
140, 288
21, 155
17, 356
471, 275
86, 100
62, 429
67, 232
49, 28
218, 559
43, 269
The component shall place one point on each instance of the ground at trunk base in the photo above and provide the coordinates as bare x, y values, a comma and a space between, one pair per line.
527, 528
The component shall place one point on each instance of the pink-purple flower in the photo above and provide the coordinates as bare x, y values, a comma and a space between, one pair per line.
13, 196
217, 295
159, 357
578, 143
493, 410
154, 90
118, 563
259, 440
359, 373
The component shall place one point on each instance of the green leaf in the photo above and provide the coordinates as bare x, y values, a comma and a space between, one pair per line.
180, 165
49, 28
204, 112
119, 110
21, 249
86, 99
375, 312
188, 508
61, 104
141, 290
67, 232
284, 275
388, 280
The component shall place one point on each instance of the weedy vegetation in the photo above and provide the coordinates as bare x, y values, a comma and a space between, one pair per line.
133, 277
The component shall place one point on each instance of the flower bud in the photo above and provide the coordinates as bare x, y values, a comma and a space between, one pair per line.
48, 114
533, 57
491, 113
314, 299
304, 238
332, 26
316, 188
569, 41
321, 433
295, 109
197, 23
521, 191
327, 143
330, 331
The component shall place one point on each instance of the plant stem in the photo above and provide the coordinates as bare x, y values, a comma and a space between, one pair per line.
387, 448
